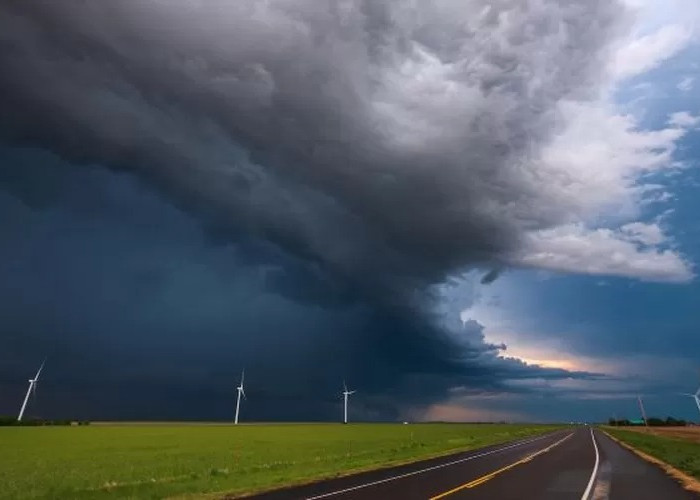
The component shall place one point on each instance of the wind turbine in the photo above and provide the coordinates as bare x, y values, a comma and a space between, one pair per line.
346, 393
695, 396
641, 408
32, 389
238, 398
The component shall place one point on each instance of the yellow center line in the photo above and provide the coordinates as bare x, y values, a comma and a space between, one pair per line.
481, 480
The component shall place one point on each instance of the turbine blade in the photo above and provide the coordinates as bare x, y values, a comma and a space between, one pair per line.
40, 368
697, 393
345, 387
352, 392
242, 377
243, 393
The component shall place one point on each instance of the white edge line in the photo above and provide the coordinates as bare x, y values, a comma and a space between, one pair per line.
591, 481
428, 469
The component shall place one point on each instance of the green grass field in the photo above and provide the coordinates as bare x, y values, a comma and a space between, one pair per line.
678, 452
157, 461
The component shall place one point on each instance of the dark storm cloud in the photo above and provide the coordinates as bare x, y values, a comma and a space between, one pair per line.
491, 276
310, 126
334, 187
142, 317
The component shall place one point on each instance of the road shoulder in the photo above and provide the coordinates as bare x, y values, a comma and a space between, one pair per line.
688, 482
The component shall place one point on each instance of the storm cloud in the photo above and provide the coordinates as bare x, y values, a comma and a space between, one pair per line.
325, 170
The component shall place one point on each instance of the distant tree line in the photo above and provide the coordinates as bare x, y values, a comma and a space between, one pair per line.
652, 422
7, 421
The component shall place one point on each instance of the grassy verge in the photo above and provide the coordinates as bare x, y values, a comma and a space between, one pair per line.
143, 461
682, 454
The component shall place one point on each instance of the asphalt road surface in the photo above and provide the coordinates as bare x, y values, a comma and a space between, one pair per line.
577, 463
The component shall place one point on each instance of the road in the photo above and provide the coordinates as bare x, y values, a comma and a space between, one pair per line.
577, 463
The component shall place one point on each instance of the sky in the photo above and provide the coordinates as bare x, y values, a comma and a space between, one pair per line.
466, 210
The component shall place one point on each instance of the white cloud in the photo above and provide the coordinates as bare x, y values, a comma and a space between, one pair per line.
653, 14
620, 252
683, 119
594, 170
593, 167
646, 234
643, 53
686, 84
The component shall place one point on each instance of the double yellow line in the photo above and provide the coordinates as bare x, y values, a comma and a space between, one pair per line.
481, 480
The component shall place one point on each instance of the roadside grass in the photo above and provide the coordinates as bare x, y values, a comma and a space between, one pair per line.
158, 461
678, 452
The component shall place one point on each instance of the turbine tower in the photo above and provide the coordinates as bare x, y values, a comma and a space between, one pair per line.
30, 390
346, 393
241, 392
695, 396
